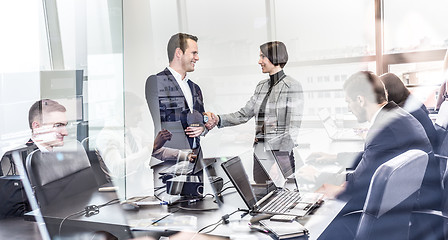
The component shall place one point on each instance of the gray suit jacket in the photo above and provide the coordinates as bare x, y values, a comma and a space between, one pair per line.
283, 114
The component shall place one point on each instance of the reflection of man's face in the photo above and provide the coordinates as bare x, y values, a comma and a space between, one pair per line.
51, 132
190, 56
356, 108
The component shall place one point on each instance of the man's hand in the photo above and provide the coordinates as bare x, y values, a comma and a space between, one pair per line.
331, 191
213, 120
194, 131
192, 157
161, 139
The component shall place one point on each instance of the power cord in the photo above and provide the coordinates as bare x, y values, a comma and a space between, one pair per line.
220, 192
71, 215
224, 220
88, 211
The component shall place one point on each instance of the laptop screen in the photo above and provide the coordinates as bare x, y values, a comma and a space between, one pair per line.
328, 122
201, 162
263, 175
284, 162
235, 171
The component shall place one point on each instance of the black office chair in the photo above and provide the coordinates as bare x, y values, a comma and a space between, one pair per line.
442, 216
102, 172
391, 197
56, 176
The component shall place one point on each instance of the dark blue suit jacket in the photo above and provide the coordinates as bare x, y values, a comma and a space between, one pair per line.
422, 115
167, 103
394, 132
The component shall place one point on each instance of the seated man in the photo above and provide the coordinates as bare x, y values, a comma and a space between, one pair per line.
48, 122
392, 132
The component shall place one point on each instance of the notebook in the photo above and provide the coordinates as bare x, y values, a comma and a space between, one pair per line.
284, 230
334, 132
277, 201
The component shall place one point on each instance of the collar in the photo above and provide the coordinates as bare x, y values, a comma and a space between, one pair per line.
177, 75
41, 148
376, 114
276, 77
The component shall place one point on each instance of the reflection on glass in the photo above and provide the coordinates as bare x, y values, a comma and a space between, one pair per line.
415, 25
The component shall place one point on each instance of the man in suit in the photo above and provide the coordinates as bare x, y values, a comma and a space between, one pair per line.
47, 121
172, 97
392, 132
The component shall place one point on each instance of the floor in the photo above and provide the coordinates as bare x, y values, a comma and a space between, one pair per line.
17, 228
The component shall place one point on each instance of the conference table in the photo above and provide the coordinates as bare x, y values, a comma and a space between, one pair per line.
189, 217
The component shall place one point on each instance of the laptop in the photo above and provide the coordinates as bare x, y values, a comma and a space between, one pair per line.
278, 201
284, 163
335, 133
187, 167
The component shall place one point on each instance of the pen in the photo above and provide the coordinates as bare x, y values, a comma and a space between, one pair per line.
160, 219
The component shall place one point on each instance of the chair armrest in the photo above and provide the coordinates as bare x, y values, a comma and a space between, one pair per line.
431, 212
352, 213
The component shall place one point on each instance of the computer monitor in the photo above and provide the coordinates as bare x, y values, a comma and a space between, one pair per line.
65, 87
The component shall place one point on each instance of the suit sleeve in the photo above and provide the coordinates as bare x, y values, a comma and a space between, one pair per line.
241, 116
377, 152
152, 99
294, 112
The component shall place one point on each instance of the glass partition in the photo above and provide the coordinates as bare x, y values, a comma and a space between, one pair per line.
95, 57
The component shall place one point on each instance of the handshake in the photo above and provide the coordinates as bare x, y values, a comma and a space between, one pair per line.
212, 121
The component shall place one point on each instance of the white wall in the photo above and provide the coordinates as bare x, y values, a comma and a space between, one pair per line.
19, 67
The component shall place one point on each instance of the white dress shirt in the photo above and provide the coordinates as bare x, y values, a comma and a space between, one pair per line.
183, 83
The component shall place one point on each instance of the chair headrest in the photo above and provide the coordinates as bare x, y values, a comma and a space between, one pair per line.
52, 166
395, 180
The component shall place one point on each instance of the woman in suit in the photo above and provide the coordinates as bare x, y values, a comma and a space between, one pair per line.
277, 105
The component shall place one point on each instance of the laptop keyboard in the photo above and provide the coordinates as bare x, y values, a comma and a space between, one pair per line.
180, 168
283, 201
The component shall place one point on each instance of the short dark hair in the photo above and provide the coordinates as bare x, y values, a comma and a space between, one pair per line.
178, 40
276, 52
43, 106
396, 90
367, 84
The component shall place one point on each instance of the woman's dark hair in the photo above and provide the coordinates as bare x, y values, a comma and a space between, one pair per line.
276, 52
396, 90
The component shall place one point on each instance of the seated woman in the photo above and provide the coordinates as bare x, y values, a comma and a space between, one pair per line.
398, 93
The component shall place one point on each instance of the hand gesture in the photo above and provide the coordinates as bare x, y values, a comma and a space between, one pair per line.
194, 131
213, 120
